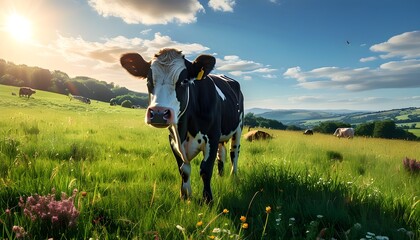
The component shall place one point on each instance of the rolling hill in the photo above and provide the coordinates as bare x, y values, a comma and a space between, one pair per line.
309, 118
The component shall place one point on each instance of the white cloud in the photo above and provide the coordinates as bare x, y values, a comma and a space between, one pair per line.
306, 99
403, 73
406, 45
368, 59
238, 67
222, 5
149, 12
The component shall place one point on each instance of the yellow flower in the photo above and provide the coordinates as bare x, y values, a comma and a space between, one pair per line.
199, 223
225, 211
245, 225
243, 219
212, 237
268, 209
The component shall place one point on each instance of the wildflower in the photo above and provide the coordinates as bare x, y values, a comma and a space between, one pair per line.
217, 230
200, 215
199, 223
180, 228
245, 225
268, 209
7, 211
84, 194
225, 211
212, 237
243, 219
19, 231
319, 216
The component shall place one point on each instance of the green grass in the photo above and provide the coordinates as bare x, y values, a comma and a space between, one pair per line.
341, 187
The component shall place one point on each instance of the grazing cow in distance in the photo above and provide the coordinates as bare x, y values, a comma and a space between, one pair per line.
26, 92
202, 111
308, 132
344, 132
257, 135
80, 98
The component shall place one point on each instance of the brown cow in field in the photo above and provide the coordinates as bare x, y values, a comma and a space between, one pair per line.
26, 92
257, 135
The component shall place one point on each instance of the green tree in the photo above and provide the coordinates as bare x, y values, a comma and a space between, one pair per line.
329, 127
365, 129
384, 129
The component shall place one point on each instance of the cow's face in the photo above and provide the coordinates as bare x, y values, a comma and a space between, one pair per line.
168, 75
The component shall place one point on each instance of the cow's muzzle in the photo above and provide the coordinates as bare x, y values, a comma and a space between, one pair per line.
160, 117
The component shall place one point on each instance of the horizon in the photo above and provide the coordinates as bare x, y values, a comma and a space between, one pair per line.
285, 54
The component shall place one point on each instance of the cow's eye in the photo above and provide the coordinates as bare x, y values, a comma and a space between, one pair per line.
185, 82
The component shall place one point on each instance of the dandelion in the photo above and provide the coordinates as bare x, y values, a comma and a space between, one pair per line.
225, 211
199, 223
268, 211
212, 237
245, 225
243, 219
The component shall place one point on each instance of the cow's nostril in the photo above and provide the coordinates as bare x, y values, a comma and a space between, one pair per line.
151, 114
166, 114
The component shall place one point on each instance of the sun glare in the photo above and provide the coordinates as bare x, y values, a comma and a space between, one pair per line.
19, 27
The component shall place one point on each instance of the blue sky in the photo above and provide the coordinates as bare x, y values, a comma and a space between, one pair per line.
287, 54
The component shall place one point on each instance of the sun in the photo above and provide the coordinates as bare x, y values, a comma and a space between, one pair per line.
19, 27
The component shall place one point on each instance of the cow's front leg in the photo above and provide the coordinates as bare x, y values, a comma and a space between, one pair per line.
206, 168
221, 156
184, 171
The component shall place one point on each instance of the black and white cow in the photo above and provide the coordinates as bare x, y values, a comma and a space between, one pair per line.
80, 98
202, 111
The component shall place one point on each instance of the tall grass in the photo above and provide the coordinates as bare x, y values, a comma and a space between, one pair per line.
128, 182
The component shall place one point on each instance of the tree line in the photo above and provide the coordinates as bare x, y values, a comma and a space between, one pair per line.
377, 129
60, 82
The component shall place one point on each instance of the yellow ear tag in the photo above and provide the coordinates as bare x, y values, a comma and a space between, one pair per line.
200, 74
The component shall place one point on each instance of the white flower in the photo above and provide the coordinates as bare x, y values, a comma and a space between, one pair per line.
180, 228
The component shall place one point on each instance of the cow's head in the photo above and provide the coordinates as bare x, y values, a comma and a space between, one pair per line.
168, 75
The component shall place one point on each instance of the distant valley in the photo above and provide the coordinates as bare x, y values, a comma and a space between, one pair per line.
310, 118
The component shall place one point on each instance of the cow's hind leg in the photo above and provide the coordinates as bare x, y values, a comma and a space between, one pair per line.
235, 147
206, 168
221, 157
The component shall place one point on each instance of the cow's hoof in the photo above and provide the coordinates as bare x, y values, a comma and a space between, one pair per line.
186, 190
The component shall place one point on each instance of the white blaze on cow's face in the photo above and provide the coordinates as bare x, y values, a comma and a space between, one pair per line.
164, 106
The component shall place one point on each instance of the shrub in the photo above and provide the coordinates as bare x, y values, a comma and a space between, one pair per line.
127, 104
411, 165
55, 217
334, 156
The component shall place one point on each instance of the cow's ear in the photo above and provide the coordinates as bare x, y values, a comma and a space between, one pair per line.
135, 64
202, 66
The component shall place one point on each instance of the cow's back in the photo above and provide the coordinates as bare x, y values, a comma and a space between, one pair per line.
232, 107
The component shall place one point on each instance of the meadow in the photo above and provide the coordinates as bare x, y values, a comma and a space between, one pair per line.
120, 181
